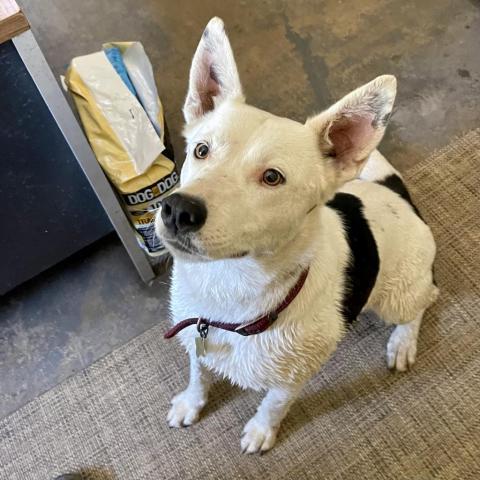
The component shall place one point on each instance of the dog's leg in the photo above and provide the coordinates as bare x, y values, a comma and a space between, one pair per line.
260, 432
187, 405
402, 345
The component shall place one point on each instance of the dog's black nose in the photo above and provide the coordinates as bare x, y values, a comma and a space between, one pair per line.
182, 213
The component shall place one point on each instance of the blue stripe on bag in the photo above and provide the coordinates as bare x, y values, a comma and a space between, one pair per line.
115, 57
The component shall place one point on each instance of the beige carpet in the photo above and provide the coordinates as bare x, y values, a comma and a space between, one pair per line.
355, 420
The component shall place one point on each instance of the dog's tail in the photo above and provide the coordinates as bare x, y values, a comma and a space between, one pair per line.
377, 168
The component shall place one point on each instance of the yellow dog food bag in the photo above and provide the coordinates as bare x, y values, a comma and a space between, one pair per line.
116, 97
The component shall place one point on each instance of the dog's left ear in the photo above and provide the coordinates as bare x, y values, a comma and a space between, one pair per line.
213, 74
353, 127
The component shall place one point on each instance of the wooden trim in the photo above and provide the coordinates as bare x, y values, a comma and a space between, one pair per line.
12, 20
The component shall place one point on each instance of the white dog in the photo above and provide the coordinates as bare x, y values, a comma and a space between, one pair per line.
274, 253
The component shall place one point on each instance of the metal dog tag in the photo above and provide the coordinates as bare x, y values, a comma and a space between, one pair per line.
201, 341
200, 346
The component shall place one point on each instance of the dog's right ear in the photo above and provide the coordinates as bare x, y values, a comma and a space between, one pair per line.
213, 74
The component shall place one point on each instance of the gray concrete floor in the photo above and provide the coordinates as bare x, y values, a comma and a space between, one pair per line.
70, 316
294, 59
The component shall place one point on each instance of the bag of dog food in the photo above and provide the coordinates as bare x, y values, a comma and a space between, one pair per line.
115, 94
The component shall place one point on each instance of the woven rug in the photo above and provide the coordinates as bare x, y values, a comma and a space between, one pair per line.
354, 420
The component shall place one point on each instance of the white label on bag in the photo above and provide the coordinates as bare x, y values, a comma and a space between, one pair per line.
122, 110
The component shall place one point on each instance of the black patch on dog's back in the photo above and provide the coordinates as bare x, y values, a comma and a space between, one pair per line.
395, 184
362, 270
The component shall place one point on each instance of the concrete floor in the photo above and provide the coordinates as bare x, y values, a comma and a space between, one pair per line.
294, 59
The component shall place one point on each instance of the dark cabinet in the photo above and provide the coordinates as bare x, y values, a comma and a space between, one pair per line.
49, 210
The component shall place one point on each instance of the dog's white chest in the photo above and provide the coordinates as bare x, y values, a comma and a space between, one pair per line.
257, 362
288, 351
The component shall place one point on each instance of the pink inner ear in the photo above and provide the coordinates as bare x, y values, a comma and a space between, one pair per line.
350, 136
207, 84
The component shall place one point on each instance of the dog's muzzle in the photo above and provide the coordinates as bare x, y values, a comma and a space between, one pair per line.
183, 213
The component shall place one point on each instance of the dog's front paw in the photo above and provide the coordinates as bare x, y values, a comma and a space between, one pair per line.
402, 348
258, 437
185, 410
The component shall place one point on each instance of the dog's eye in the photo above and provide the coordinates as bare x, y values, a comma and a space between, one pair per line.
272, 177
201, 150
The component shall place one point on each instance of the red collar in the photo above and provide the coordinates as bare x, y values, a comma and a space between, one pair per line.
250, 328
